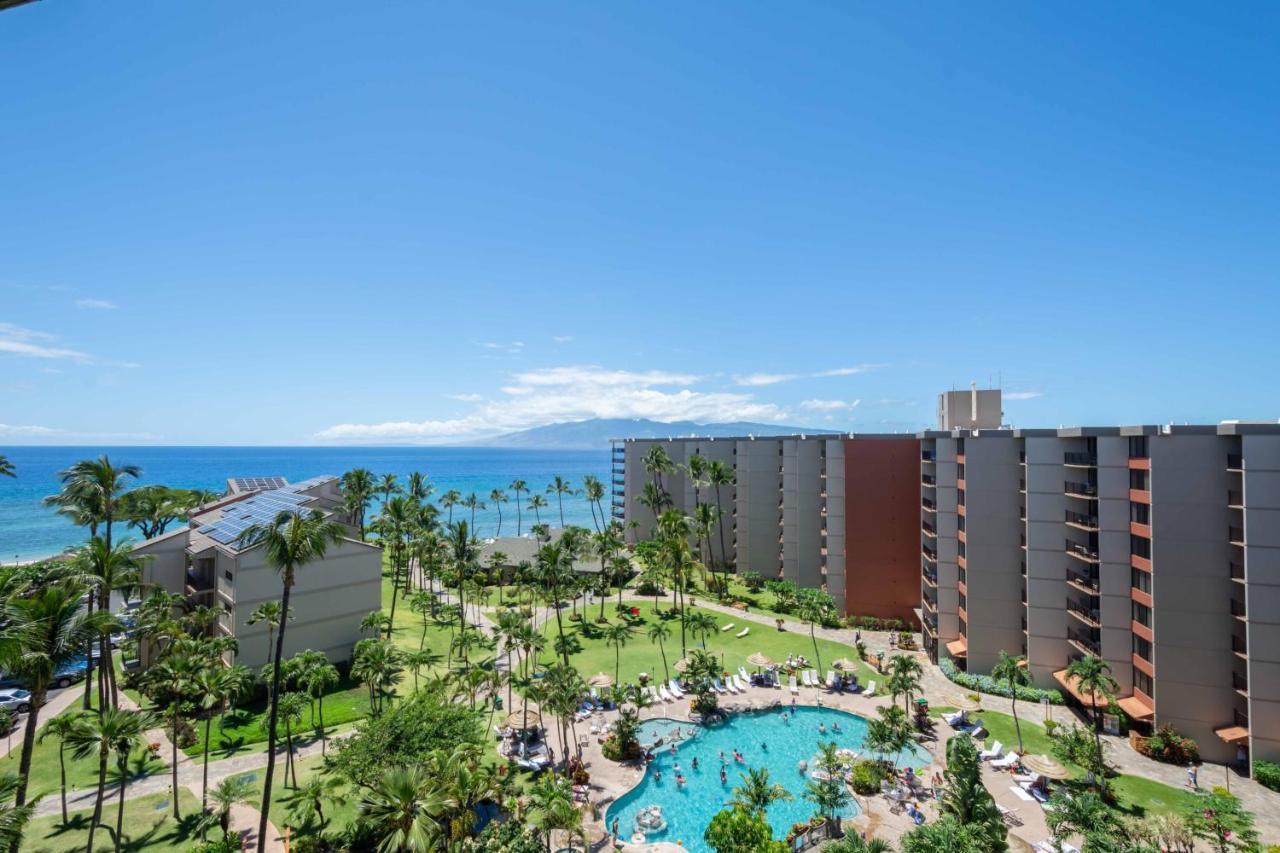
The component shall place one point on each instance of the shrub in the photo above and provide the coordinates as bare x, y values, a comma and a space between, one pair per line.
867, 776
753, 580
1168, 746
987, 684
1267, 774
648, 587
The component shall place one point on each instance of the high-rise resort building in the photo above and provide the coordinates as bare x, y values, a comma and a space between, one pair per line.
1154, 548
208, 563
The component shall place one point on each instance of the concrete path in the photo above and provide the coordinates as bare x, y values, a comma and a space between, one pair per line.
53, 706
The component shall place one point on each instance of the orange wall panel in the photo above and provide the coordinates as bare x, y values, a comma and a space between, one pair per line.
882, 527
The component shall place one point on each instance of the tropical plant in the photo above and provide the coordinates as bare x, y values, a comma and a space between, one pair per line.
702, 625
740, 830
659, 632
290, 542
616, 635
497, 497
111, 731
172, 683
226, 795
13, 818
404, 806
594, 491
1013, 672
946, 835
966, 799
1092, 676
537, 503
377, 663
1219, 819
905, 673
519, 486
306, 802
61, 727
357, 488
268, 612
889, 733
757, 791
551, 807
828, 792
6, 467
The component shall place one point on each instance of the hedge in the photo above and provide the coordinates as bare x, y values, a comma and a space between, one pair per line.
1267, 774
987, 684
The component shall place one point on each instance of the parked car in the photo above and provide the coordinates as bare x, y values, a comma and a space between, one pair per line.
15, 699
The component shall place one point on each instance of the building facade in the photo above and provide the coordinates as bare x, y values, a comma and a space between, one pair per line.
206, 561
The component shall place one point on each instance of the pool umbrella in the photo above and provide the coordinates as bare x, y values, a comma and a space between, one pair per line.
516, 719
680, 665
845, 664
760, 659
1045, 766
962, 702
600, 679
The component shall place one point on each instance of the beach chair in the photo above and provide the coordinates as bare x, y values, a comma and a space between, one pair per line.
831, 679
815, 680
652, 693
716, 686
742, 671
955, 719
1022, 793
728, 627
996, 750
1007, 762
743, 684
743, 632
675, 689
665, 694
791, 682
870, 689
804, 678
734, 685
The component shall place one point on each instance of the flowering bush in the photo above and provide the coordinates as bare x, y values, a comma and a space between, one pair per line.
987, 684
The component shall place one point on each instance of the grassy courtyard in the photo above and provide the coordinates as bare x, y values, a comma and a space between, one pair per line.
148, 825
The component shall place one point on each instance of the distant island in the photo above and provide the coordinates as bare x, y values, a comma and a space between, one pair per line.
595, 433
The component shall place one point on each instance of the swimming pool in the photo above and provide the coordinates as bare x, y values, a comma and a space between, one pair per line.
765, 740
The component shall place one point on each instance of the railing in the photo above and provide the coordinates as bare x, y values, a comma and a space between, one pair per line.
1078, 550
1235, 534
929, 553
1081, 519
1238, 608
1073, 458
928, 528
1090, 582
928, 479
931, 576
963, 576
1239, 645
1240, 682
928, 504
1235, 498
1240, 718
928, 456
200, 582
1088, 613
1073, 488
1235, 461
1085, 641
1237, 571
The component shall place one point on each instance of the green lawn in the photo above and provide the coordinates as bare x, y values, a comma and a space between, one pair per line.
148, 825
338, 813
640, 654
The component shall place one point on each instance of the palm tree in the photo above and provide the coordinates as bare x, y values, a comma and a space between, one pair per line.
175, 679
518, 486
405, 805
449, 500
560, 487
617, 636
497, 497
551, 807
720, 474
419, 489
536, 503
828, 794
111, 730
290, 542
61, 727
888, 734
463, 550
268, 612
702, 625
657, 462
1012, 671
358, 487
7, 470
815, 607
594, 491
306, 802
13, 819
290, 706
659, 632
212, 687
226, 795
317, 681
43, 631
108, 570
757, 793
387, 486
904, 679
473, 503
1093, 676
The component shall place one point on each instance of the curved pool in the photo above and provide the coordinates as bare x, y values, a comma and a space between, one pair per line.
765, 739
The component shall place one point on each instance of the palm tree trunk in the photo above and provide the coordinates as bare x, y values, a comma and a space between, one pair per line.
323, 737
498, 535
724, 557
519, 514
663, 651
395, 593
62, 771
88, 657
28, 746
173, 745
817, 656
1017, 726
97, 802
122, 764
560, 501
273, 716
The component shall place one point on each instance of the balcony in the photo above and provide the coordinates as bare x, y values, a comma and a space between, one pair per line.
928, 456
1238, 609
1088, 584
1235, 499
1088, 615
1084, 491
929, 554
1080, 460
928, 481
1240, 646
1240, 683
930, 577
1235, 462
928, 530
1081, 521
928, 505
1235, 535
199, 583
1082, 552
929, 605
1084, 643
1237, 571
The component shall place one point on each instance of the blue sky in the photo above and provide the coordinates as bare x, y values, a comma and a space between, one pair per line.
246, 223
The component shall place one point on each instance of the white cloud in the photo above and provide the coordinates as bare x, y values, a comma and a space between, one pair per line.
33, 344
37, 431
465, 398
96, 304
562, 339
758, 379
1022, 395
25, 430
510, 347
569, 394
829, 405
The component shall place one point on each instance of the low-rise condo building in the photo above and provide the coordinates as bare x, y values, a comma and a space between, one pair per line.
208, 563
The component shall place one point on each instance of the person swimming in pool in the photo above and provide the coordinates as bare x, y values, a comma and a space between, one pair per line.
722, 758
657, 775
695, 762
822, 728
724, 777
764, 747
680, 780
835, 727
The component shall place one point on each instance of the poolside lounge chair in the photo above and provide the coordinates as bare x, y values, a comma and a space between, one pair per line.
870, 689
1021, 793
652, 693
744, 683
1007, 762
791, 682
743, 632
996, 750
675, 689
814, 679
716, 686
804, 678
737, 685
742, 671
831, 679
665, 694
726, 627
955, 719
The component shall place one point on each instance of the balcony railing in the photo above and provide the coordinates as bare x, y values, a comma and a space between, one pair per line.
1080, 519
1237, 571
1238, 609
1240, 718
929, 505
1080, 489
1239, 645
929, 554
1089, 615
1236, 534
200, 582
1084, 642
928, 456
1240, 683
1235, 498
1087, 583
1235, 462
1088, 460
928, 479
930, 576
1081, 552
928, 529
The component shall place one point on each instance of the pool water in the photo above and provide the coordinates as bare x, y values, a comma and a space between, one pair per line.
765, 740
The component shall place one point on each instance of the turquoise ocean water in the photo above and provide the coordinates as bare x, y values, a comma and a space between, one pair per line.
29, 530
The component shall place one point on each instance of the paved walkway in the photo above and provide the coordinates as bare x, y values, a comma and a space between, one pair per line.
52, 708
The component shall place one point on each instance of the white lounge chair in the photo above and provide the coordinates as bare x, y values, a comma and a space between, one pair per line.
665, 694
675, 689
955, 719
804, 678
716, 685
1021, 793
743, 684
870, 689
1005, 763
743, 632
728, 627
814, 679
996, 750
742, 671
734, 685
831, 679
791, 682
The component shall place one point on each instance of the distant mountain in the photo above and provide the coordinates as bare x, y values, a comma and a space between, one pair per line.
594, 434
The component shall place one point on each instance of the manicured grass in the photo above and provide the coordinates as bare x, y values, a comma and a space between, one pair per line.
641, 654
148, 825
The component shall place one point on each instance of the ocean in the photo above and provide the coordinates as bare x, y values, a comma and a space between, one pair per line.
29, 530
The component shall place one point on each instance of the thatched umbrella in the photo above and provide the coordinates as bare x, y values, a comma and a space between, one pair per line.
600, 679
760, 659
1047, 767
962, 702
518, 719
680, 665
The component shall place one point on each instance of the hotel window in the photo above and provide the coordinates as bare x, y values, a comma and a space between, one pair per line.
1141, 614
960, 497
960, 549
1141, 580
959, 445
1140, 513
1139, 480
964, 603
227, 574
1142, 648
1138, 447
1140, 546
960, 522
1143, 682
960, 472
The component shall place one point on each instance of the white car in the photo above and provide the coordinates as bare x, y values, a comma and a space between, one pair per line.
15, 699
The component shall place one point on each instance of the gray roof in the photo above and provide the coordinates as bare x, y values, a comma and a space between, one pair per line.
524, 549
